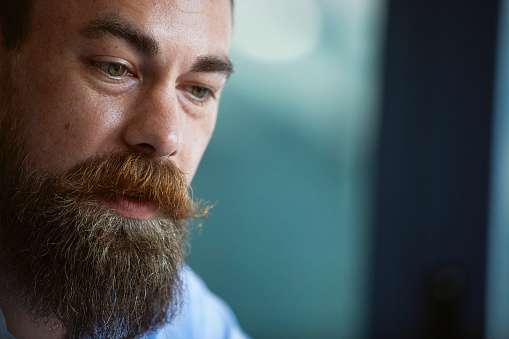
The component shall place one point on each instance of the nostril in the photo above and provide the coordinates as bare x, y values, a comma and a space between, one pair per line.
146, 148
154, 138
174, 153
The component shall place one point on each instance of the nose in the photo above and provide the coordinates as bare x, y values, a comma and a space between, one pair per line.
155, 125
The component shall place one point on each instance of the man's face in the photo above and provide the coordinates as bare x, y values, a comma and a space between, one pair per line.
112, 75
96, 104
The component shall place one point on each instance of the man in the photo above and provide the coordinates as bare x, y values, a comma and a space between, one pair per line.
106, 108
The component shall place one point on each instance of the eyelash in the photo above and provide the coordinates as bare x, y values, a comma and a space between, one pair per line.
104, 65
209, 93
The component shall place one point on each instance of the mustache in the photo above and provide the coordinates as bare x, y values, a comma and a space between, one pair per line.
68, 260
133, 175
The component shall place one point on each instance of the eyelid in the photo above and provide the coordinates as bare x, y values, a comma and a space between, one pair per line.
102, 63
200, 101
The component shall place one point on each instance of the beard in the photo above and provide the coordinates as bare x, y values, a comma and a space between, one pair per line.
72, 264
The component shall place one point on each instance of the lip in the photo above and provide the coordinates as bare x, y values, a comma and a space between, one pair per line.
133, 207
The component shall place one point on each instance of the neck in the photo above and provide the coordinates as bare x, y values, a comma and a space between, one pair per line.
22, 327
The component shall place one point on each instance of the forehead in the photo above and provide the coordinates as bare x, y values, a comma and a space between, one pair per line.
199, 24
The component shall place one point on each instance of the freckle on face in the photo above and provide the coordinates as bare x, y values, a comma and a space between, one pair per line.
74, 121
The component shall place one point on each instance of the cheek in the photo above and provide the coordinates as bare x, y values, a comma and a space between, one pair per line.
198, 135
69, 124
66, 121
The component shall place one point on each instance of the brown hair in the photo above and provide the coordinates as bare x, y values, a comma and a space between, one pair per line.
14, 19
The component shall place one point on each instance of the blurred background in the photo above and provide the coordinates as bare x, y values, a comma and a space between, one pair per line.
359, 171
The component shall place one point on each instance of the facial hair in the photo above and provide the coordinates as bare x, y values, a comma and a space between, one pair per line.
69, 261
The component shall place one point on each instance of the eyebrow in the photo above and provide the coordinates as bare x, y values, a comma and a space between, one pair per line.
213, 64
122, 28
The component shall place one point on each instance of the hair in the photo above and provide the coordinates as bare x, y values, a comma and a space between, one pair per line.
14, 21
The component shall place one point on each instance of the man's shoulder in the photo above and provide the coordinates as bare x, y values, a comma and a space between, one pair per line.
203, 314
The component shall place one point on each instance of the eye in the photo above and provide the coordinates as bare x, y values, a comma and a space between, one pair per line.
199, 95
113, 70
116, 70
199, 92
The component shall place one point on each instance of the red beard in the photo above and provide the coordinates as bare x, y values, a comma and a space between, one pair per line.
70, 262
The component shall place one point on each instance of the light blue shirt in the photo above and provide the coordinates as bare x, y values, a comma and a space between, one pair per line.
203, 315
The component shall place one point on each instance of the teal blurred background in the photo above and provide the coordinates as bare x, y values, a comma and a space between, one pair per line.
291, 169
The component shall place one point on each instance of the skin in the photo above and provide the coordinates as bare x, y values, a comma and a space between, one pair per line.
77, 109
